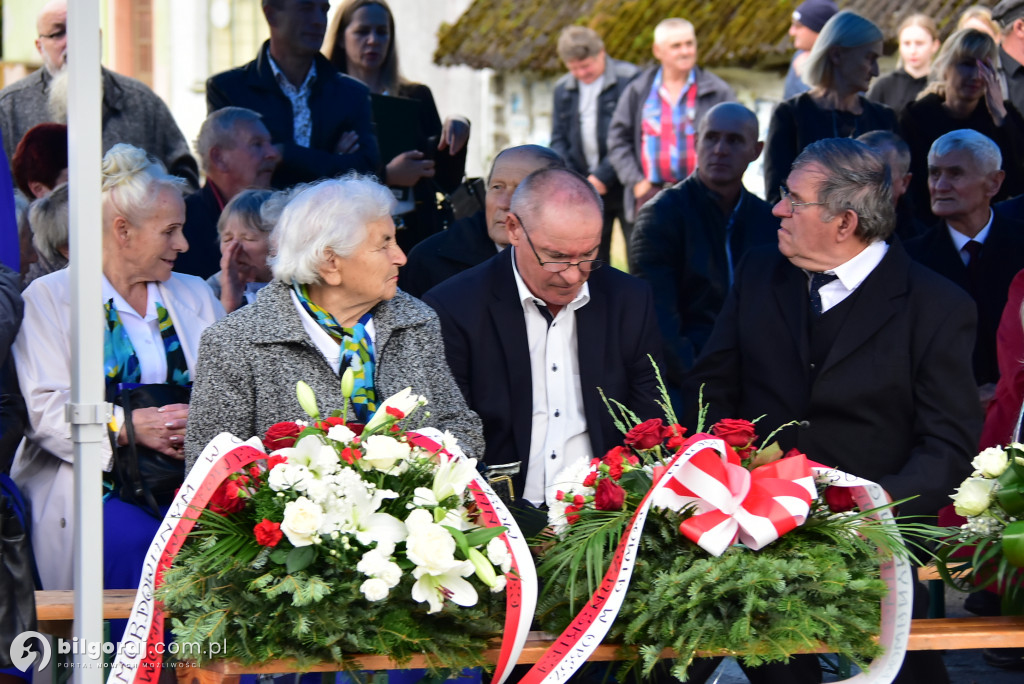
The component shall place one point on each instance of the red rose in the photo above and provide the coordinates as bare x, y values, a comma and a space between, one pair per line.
267, 533
647, 434
226, 499
280, 436
677, 436
609, 496
590, 479
839, 499
615, 455
736, 432
350, 455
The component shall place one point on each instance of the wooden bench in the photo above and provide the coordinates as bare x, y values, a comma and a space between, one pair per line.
55, 612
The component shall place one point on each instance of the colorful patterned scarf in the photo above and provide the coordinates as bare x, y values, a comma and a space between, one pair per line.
356, 352
121, 364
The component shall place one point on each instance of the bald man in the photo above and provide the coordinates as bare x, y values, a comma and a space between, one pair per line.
688, 240
132, 113
532, 333
475, 239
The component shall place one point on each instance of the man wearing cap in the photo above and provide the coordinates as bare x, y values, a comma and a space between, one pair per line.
808, 19
1010, 15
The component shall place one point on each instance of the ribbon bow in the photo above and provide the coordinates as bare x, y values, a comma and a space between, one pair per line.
756, 507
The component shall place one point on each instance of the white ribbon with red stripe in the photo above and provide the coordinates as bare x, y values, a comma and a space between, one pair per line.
579, 640
141, 652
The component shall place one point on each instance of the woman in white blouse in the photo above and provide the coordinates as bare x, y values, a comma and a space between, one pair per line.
153, 321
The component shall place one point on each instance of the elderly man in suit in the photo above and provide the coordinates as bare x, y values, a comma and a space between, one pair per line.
535, 332
869, 352
978, 249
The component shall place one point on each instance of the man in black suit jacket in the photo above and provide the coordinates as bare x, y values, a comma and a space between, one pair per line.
534, 334
867, 350
689, 238
964, 175
328, 129
584, 101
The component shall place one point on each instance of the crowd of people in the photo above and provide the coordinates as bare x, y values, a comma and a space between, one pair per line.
871, 299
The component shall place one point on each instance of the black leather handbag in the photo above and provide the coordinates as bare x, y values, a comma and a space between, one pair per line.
18, 579
143, 476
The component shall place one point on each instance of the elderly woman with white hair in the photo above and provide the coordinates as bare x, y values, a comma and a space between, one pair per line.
839, 69
153, 320
334, 304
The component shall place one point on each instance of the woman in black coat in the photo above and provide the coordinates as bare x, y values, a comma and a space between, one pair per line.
919, 41
840, 67
361, 43
964, 92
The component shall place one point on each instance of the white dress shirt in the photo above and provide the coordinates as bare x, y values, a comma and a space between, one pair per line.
960, 240
558, 432
851, 274
589, 93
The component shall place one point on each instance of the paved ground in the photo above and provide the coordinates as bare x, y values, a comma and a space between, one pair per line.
965, 667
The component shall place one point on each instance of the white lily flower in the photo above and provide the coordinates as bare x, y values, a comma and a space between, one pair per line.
385, 454
434, 589
452, 476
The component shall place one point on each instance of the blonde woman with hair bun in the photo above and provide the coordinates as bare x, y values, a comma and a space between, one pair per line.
153, 318
918, 38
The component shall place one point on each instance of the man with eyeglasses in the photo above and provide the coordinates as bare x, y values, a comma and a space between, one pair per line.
536, 332
867, 352
132, 113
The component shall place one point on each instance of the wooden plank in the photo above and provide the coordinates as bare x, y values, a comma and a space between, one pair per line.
60, 605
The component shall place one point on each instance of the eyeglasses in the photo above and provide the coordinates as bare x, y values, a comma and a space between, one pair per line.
56, 35
784, 192
585, 266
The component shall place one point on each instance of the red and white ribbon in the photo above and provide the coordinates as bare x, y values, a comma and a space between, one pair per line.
141, 653
756, 507
579, 640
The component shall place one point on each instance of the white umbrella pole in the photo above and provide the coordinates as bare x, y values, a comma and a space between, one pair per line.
87, 411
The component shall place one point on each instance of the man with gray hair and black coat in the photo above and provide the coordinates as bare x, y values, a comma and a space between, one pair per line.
236, 154
868, 352
978, 249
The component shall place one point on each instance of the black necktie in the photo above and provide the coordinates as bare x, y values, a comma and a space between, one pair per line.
817, 280
973, 251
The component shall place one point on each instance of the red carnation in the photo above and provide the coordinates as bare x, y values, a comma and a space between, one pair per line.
677, 436
736, 432
281, 435
275, 460
255, 472
267, 533
579, 500
350, 455
615, 470
392, 411
571, 514
647, 434
615, 455
560, 495
590, 479
609, 496
327, 423
839, 499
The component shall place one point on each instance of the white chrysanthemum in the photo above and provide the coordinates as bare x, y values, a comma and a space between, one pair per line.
374, 589
497, 553
376, 564
341, 433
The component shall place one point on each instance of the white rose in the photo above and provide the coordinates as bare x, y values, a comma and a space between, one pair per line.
429, 546
286, 476
302, 519
341, 433
991, 462
973, 496
374, 589
384, 453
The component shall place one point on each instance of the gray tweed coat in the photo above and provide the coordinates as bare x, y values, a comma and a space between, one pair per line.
250, 361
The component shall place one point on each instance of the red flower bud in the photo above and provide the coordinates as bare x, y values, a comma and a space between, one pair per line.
839, 499
590, 479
